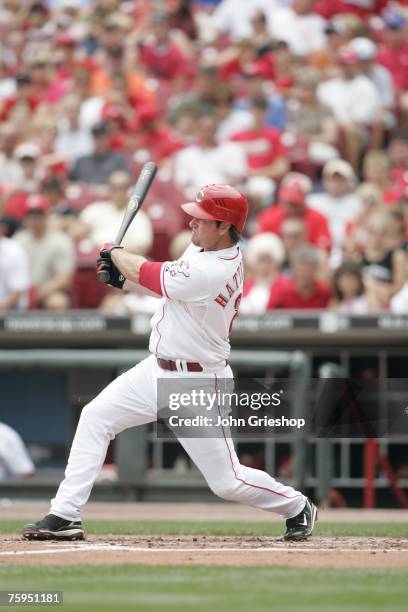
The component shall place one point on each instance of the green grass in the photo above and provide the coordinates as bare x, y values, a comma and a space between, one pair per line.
223, 528
218, 589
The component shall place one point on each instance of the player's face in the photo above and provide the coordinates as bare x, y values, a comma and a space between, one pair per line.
206, 234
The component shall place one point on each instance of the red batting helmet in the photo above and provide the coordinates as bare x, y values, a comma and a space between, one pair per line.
219, 203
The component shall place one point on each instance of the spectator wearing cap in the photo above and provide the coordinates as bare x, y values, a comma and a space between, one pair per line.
266, 155
338, 202
103, 219
72, 140
14, 276
393, 51
11, 173
50, 253
27, 154
208, 161
354, 101
264, 255
292, 205
299, 26
302, 290
381, 78
97, 167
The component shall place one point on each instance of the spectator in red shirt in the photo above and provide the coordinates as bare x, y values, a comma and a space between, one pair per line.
393, 53
292, 205
266, 154
243, 59
23, 103
28, 154
156, 137
302, 290
330, 8
161, 55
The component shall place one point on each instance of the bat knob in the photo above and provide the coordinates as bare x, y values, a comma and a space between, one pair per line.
103, 275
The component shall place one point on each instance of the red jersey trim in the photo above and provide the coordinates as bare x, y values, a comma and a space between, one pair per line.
249, 484
150, 276
157, 329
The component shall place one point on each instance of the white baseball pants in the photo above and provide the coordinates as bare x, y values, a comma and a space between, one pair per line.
130, 400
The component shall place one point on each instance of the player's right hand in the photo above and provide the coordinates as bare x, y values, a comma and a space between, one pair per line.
115, 278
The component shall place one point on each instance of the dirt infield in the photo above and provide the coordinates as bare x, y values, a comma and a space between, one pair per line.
339, 552
208, 550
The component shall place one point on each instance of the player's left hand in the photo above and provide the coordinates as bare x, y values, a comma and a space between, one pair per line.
107, 249
116, 278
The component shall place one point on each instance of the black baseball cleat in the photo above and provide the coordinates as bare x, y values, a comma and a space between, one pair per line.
53, 527
300, 527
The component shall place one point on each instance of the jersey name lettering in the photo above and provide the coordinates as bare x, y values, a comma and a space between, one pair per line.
231, 286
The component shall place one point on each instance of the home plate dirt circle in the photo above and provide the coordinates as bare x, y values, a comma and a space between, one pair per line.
208, 550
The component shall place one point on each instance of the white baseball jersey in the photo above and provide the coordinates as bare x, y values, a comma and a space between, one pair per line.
202, 291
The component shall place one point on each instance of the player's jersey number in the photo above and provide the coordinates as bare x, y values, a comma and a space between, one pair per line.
235, 311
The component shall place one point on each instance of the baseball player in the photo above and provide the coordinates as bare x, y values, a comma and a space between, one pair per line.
200, 295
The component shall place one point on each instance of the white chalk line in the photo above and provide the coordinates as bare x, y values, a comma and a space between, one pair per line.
140, 549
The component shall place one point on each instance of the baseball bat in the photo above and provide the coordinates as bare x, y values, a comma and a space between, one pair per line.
139, 193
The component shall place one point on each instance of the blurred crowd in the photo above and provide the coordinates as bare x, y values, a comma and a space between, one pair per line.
302, 104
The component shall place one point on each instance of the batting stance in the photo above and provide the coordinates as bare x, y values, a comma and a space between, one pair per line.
200, 294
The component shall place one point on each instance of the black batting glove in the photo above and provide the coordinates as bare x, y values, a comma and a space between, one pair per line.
114, 276
107, 249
